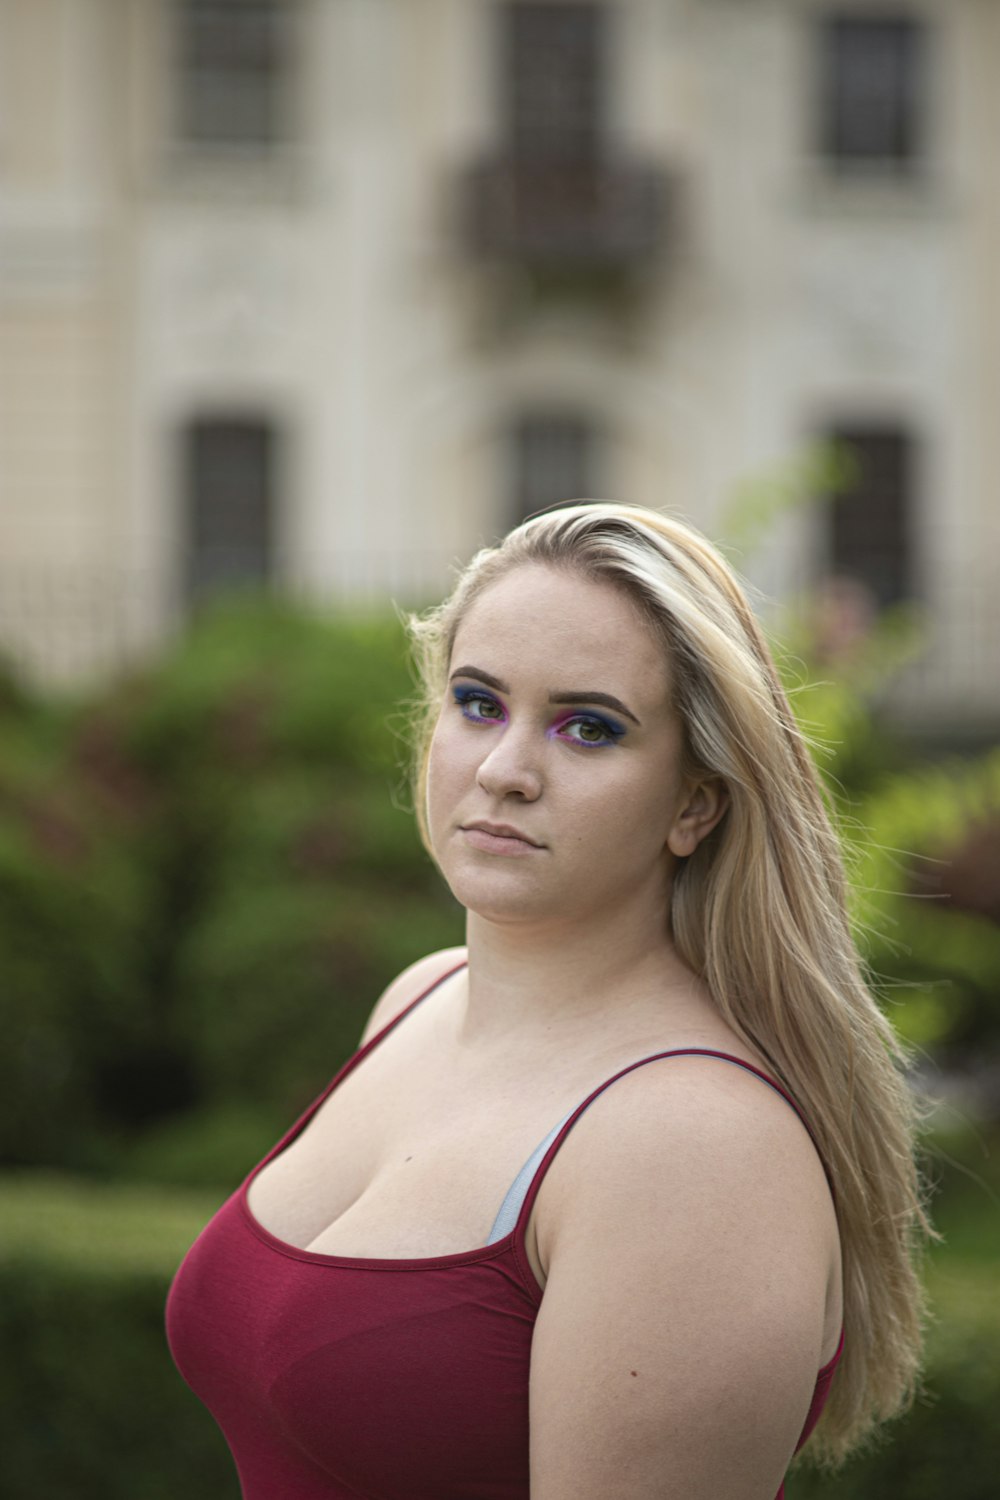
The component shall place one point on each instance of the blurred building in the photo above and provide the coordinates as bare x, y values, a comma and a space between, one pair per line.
327, 293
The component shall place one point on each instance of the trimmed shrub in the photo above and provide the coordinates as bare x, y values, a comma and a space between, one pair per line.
92, 1406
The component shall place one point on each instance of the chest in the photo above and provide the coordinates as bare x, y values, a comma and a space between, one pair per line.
414, 1150
334, 1381
410, 1156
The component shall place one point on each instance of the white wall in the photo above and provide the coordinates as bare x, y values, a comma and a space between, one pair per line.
143, 283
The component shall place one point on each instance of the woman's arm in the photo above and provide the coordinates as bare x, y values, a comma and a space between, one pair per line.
690, 1254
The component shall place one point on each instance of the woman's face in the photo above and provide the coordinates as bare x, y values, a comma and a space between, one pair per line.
557, 722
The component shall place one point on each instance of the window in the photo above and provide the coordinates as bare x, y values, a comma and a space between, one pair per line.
233, 60
870, 534
230, 479
872, 89
555, 461
553, 72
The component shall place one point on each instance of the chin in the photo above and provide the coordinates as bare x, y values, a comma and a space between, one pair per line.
490, 895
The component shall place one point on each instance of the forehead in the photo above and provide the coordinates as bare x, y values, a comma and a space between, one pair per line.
556, 627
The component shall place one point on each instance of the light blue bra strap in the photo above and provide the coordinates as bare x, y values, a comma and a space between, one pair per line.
518, 1191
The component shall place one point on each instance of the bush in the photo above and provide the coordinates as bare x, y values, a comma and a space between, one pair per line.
92, 1406
921, 844
939, 965
206, 880
949, 1441
73, 911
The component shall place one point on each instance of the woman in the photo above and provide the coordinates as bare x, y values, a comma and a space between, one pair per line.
713, 1242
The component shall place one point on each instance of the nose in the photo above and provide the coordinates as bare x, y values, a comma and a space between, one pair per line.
510, 766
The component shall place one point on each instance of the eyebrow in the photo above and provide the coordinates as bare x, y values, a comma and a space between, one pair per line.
605, 699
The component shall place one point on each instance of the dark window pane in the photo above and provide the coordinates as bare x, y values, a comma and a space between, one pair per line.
873, 88
553, 59
233, 58
870, 533
223, 108
555, 458
230, 502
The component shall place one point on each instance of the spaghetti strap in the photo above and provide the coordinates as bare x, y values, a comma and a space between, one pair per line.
516, 1207
378, 1035
334, 1375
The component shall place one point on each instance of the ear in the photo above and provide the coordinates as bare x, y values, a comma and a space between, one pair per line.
706, 802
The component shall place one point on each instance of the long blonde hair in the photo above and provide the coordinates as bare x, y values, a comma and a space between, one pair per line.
758, 911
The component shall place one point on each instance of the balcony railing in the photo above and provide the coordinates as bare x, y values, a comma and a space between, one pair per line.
558, 213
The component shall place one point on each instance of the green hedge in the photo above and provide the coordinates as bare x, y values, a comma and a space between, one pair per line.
92, 1408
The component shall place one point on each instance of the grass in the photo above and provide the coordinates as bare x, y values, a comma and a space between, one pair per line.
52, 1218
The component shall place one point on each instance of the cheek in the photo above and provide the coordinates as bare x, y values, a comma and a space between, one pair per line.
433, 770
449, 764
629, 819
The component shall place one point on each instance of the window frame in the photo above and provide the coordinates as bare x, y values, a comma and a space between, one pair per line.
279, 78
533, 138
887, 565
200, 524
909, 111
530, 423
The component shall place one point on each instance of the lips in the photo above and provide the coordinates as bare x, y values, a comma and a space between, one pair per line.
504, 831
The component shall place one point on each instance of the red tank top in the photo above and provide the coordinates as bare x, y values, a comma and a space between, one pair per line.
334, 1378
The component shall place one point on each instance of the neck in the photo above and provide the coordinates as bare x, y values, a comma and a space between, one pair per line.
542, 985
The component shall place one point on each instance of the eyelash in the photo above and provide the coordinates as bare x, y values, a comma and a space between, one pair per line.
465, 696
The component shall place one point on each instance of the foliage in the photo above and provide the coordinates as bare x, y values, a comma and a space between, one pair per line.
905, 827
949, 1441
72, 912
939, 966
761, 499
206, 879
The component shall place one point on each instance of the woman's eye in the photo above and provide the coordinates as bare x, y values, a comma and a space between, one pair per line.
592, 731
579, 729
470, 699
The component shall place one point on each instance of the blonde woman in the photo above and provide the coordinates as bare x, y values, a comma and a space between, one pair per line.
655, 1055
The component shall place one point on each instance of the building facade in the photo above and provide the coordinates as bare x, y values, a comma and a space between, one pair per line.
328, 293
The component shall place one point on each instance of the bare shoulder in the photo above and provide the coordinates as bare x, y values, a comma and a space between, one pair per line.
696, 1134
690, 1261
408, 984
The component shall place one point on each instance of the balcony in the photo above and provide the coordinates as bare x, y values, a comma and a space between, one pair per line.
564, 214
